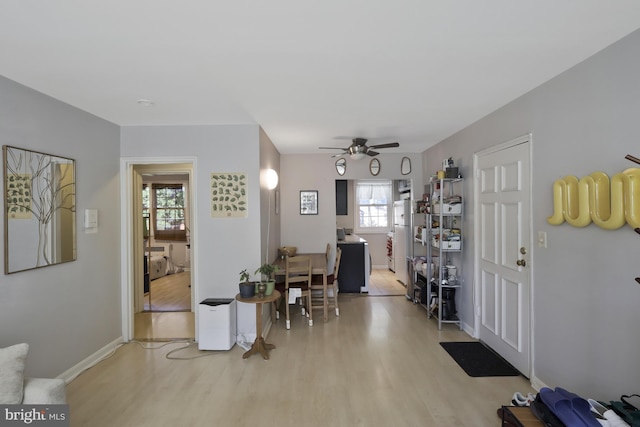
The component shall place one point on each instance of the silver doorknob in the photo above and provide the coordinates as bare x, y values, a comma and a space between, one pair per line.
521, 263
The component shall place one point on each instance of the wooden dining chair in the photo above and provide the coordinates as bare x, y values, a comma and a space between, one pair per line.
321, 295
298, 275
327, 254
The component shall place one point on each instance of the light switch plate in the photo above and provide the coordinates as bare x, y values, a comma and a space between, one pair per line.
542, 239
90, 218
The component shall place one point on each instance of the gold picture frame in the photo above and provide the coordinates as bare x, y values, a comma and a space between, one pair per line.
40, 209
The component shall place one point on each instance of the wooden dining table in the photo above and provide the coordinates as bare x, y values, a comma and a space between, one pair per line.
318, 266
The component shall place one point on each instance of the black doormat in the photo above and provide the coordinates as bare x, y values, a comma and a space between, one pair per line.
478, 360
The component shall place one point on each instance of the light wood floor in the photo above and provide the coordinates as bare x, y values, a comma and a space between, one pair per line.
169, 316
378, 364
169, 293
164, 326
173, 292
383, 282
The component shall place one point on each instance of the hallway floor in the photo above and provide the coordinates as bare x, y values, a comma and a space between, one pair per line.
382, 282
378, 364
165, 325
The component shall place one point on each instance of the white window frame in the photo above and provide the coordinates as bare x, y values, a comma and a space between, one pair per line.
356, 219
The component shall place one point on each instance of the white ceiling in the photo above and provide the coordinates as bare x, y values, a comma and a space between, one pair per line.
307, 71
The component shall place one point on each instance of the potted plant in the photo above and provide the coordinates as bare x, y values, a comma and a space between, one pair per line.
267, 271
247, 288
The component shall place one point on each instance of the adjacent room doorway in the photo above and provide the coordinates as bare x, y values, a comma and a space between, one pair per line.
503, 250
157, 305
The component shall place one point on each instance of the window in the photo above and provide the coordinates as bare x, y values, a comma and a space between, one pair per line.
168, 212
374, 206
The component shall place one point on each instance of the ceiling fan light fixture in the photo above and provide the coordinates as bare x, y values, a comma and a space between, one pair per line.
357, 152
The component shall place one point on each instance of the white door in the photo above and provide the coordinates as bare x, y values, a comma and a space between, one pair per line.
502, 252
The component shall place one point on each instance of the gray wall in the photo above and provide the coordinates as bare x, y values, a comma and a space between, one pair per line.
221, 247
269, 159
68, 311
585, 299
269, 221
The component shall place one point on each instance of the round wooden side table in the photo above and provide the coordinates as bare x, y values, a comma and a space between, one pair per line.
259, 345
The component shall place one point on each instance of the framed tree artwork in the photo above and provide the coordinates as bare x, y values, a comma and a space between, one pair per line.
40, 209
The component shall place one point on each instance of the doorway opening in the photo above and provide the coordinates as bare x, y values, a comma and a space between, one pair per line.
383, 278
159, 286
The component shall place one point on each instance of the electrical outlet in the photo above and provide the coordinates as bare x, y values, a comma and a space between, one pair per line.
542, 239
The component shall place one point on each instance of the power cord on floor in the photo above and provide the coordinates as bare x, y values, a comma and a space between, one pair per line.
190, 343
202, 353
161, 344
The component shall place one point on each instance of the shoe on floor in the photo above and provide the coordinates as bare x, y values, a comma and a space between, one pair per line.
569, 407
611, 419
519, 399
581, 407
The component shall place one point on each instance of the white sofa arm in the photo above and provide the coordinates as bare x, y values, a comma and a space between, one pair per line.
44, 391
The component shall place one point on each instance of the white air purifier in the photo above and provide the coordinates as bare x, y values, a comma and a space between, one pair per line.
217, 324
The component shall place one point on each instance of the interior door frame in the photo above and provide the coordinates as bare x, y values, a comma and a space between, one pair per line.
528, 138
127, 265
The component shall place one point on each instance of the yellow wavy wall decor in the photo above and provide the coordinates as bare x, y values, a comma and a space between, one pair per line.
594, 198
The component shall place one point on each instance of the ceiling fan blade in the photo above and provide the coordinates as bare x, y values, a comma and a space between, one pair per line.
333, 148
372, 153
389, 145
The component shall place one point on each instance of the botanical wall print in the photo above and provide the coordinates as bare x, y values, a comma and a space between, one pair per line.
19, 196
40, 209
228, 195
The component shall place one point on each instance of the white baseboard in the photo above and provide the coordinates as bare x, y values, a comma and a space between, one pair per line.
468, 329
71, 373
536, 383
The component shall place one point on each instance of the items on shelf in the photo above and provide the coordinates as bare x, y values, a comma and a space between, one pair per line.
421, 206
440, 274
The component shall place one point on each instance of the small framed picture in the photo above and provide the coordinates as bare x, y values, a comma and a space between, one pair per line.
309, 202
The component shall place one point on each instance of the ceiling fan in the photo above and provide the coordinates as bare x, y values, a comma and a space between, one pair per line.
359, 149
